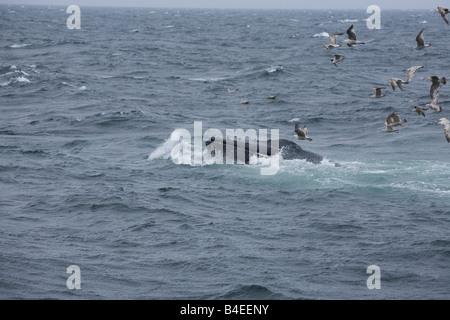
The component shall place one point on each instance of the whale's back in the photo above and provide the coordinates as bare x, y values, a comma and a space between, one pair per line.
244, 151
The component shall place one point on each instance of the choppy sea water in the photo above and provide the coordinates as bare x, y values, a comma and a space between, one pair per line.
87, 178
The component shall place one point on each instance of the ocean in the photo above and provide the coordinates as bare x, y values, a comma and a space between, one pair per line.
88, 176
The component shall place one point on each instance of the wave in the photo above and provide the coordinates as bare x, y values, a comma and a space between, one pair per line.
348, 20
251, 292
20, 79
211, 79
81, 88
247, 72
18, 46
322, 34
164, 150
273, 69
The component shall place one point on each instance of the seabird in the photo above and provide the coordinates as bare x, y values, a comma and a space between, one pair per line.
245, 101
434, 105
436, 83
272, 96
351, 41
337, 58
393, 120
396, 82
377, 92
446, 123
420, 42
412, 71
420, 110
443, 12
301, 134
332, 42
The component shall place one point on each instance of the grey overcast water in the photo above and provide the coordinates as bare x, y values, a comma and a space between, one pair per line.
87, 177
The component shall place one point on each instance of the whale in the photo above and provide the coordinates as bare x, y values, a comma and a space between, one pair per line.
287, 149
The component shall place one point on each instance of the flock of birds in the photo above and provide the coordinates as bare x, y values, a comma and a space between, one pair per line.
393, 120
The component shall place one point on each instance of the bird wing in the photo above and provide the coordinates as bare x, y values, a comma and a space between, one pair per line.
434, 92
333, 37
298, 131
351, 33
396, 117
420, 111
443, 13
392, 82
411, 72
305, 131
377, 91
419, 39
389, 120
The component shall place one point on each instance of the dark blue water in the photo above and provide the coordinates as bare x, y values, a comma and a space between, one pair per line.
87, 177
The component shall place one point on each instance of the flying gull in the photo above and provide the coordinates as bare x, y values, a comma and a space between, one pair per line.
446, 123
393, 120
420, 110
332, 42
420, 41
436, 83
301, 134
377, 92
443, 12
412, 71
351, 41
337, 58
396, 82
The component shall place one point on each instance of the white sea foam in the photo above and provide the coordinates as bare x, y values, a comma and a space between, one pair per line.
17, 46
294, 120
165, 149
322, 34
22, 80
272, 69
418, 186
348, 20
213, 79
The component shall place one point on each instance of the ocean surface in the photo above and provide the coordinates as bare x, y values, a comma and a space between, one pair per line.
87, 176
